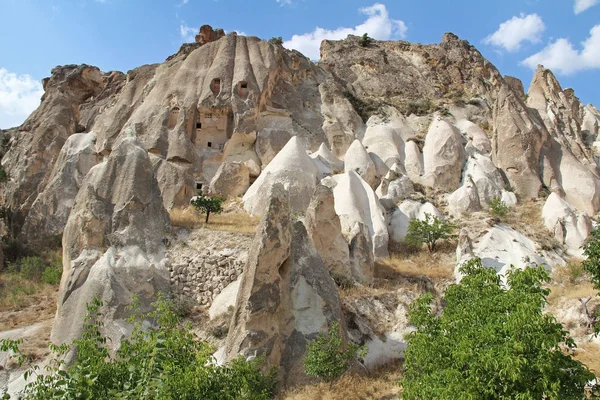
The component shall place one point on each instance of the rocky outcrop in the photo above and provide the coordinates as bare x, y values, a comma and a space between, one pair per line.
478, 139
358, 160
294, 169
327, 162
286, 294
356, 203
50, 211
384, 144
413, 161
443, 156
232, 179
208, 34
113, 244
517, 143
394, 188
324, 228
465, 199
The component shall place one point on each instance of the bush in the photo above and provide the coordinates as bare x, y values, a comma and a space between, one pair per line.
428, 231
365, 40
31, 268
591, 265
420, 107
491, 342
327, 357
208, 204
52, 275
277, 41
163, 362
498, 208
3, 175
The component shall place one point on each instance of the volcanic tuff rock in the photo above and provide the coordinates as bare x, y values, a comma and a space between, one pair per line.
113, 244
286, 294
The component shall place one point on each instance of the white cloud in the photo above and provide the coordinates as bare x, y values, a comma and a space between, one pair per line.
19, 96
511, 33
563, 58
285, 2
188, 33
582, 5
378, 25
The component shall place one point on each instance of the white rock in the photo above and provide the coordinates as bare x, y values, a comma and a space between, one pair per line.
477, 137
486, 176
407, 211
413, 161
224, 300
443, 156
509, 198
465, 199
293, 168
327, 162
384, 143
358, 160
356, 202
570, 227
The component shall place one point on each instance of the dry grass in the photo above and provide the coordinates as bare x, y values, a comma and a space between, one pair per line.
228, 221
526, 217
570, 281
589, 354
382, 384
24, 303
419, 271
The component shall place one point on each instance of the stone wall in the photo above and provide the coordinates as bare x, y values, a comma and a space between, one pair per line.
203, 263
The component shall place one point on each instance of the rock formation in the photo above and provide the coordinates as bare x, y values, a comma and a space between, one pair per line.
113, 244
443, 156
286, 294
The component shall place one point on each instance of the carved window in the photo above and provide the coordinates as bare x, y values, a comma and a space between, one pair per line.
199, 125
209, 144
215, 86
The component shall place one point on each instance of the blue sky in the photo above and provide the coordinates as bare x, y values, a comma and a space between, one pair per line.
515, 35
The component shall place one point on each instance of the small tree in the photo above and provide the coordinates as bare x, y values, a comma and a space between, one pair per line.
498, 208
365, 40
491, 342
429, 231
327, 357
591, 249
277, 41
206, 204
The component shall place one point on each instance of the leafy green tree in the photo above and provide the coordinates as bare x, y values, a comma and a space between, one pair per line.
164, 362
365, 40
207, 205
277, 41
429, 231
498, 208
491, 342
591, 249
327, 357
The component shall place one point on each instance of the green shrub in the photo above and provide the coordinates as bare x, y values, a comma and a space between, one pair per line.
420, 107
498, 208
3, 175
491, 341
207, 205
165, 362
31, 268
277, 41
591, 250
327, 357
52, 275
429, 231
365, 40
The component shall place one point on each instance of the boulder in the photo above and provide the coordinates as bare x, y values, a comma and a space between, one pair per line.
384, 143
231, 180
224, 300
362, 260
293, 168
286, 296
324, 228
570, 227
443, 156
356, 202
407, 211
113, 245
464, 249
394, 188
358, 160
486, 177
465, 199
502, 247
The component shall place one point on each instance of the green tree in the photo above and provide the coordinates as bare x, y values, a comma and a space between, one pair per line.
429, 231
163, 362
365, 40
277, 41
491, 342
327, 357
591, 250
207, 205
